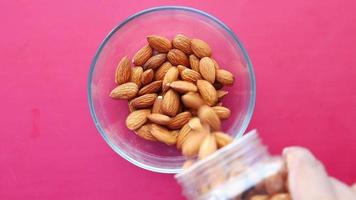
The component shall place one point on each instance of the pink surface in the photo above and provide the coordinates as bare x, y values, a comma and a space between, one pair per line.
305, 64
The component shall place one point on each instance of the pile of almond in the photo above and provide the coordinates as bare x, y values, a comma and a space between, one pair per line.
174, 94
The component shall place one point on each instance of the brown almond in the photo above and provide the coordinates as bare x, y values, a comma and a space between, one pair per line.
207, 69
159, 118
207, 115
194, 63
124, 91
159, 43
216, 65
222, 139
195, 124
155, 61
170, 103
131, 108
190, 75
123, 71
200, 48
144, 101
177, 57
179, 120
162, 70
207, 147
183, 86
147, 76
153, 87
137, 118
156, 108
225, 77
181, 68
183, 134
136, 74
191, 145
222, 112
171, 75
182, 43
192, 100
207, 92
163, 135
142, 55
145, 132
221, 94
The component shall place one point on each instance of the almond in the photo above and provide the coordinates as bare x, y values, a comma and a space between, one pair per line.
177, 57
162, 70
222, 139
159, 118
281, 196
170, 103
145, 132
207, 92
163, 135
183, 86
221, 93
192, 100
190, 75
144, 101
207, 69
183, 134
181, 68
207, 147
153, 87
131, 108
137, 118
179, 120
142, 55
222, 112
216, 65
200, 48
171, 75
217, 85
156, 108
123, 71
260, 197
225, 77
124, 91
155, 61
147, 77
182, 43
207, 115
159, 43
195, 124
191, 145
136, 74
194, 63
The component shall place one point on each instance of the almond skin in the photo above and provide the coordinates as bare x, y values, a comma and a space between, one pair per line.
183, 86
191, 145
162, 70
156, 108
222, 139
164, 135
145, 132
142, 55
136, 74
207, 147
225, 77
194, 63
137, 118
182, 43
208, 116
221, 93
153, 87
123, 71
190, 75
207, 69
159, 43
207, 92
222, 112
170, 103
216, 65
147, 76
171, 75
144, 101
200, 48
177, 57
192, 100
195, 124
179, 120
159, 118
183, 134
124, 91
155, 61
181, 68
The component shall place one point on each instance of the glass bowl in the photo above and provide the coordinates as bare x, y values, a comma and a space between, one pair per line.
109, 115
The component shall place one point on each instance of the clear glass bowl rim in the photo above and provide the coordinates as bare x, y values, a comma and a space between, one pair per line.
156, 9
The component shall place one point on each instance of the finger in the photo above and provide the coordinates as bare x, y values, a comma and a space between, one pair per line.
307, 177
342, 190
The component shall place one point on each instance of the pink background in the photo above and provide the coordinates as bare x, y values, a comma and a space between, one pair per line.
303, 55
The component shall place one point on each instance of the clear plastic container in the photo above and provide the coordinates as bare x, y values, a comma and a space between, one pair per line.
238, 171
